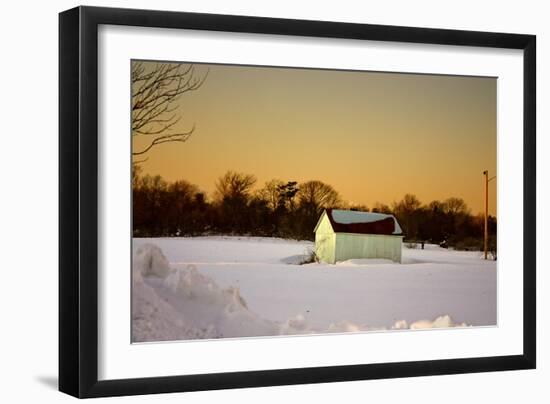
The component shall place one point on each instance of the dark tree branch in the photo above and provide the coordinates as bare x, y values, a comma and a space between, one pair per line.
174, 137
155, 92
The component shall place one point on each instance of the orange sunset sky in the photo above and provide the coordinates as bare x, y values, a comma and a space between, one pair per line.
372, 136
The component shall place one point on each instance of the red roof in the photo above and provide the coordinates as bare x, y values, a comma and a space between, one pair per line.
365, 223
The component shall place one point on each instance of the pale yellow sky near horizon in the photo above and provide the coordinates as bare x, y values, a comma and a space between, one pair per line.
373, 136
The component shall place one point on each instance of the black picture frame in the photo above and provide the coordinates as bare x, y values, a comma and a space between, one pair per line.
78, 201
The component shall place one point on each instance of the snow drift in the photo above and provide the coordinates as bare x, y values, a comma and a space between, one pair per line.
179, 303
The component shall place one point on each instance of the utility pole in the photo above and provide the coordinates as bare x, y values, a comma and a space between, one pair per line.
485, 228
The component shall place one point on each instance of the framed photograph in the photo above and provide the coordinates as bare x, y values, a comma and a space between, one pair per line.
250, 201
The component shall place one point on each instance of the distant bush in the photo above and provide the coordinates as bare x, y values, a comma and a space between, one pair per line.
468, 244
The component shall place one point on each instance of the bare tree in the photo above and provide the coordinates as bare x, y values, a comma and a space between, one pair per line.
407, 205
457, 213
381, 208
234, 186
358, 207
271, 193
406, 211
155, 92
316, 195
455, 206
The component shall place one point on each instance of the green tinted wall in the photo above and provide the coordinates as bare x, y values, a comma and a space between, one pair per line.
350, 246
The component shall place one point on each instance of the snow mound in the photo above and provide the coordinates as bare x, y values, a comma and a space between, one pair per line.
440, 322
344, 326
150, 261
295, 325
189, 284
182, 303
172, 304
400, 325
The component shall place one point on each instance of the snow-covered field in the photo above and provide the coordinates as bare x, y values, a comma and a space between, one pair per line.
216, 287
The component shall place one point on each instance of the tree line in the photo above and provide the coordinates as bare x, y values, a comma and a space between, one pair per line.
286, 209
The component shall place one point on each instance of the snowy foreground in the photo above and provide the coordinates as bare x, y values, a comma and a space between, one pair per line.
216, 287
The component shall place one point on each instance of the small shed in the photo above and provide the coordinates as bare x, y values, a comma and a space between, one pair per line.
347, 234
